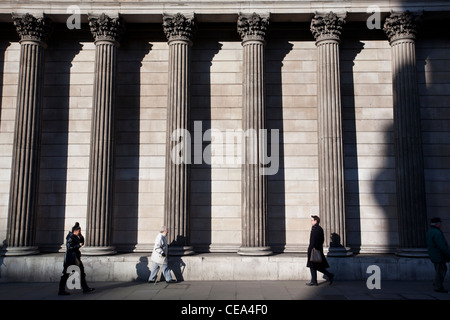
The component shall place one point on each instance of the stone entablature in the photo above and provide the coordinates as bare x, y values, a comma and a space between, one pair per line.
216, 10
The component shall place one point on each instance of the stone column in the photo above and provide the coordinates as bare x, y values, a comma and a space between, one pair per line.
106, 32
252, 29
20, 239
401, 29
326, 29
179, 31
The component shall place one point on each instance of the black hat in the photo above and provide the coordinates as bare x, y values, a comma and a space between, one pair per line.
76, 227
435, 220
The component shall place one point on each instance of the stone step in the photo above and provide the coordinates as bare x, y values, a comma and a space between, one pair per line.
215, 266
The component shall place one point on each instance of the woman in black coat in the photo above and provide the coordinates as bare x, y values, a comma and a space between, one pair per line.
316, 241
74, 241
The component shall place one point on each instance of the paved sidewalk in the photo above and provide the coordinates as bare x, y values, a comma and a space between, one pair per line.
227, 290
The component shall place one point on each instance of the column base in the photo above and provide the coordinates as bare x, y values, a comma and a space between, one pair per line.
143, 248
98, 251
231, 248
255, 251
339, 252
181, 250
20, 251
412, 252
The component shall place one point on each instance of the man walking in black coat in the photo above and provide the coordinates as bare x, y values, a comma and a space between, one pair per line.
316, 241
74, 241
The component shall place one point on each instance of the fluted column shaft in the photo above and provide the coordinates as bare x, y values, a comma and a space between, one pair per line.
179, 31
25, 159
101, 161
401, 29
326, 29
254, 182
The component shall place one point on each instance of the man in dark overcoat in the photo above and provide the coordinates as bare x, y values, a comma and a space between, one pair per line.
316, 240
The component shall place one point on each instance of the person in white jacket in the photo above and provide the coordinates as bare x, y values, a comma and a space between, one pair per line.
159, 257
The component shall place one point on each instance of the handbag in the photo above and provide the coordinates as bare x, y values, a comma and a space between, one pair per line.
315, 257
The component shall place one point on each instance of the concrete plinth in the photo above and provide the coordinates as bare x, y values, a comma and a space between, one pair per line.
225, 266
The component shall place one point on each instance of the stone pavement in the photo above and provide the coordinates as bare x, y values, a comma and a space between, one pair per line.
224, 299
227, 290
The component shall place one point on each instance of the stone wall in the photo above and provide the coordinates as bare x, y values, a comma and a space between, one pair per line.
369, 150
216, 87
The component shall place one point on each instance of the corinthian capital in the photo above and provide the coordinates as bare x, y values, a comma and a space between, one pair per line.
252, 27
179, 27
105, 28
401, 25
327, 26
32, 28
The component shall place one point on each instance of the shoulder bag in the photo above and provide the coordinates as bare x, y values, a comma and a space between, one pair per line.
315, 257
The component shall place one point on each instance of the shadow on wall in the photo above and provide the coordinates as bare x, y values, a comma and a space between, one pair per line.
5, 42
277, 49
366, 189
62, 48
433, 74
350, 48
143, 268
384, 189
133, 49
207, 44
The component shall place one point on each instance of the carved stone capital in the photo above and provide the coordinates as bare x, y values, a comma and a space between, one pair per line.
179, 27
253, 26
105, 28
402, 25
32, 28
327, 26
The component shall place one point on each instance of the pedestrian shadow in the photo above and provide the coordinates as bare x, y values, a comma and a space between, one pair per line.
177, 265
142, 269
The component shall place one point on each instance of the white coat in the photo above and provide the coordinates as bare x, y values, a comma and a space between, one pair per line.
159, 248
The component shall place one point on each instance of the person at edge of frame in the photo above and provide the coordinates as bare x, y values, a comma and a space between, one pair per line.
438, 252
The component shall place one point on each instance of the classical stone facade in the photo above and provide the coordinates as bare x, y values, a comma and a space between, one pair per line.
355, 104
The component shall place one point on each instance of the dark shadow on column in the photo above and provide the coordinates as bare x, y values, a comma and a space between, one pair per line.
62, 48
133, 48
277, 49
206, 46
350, 48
